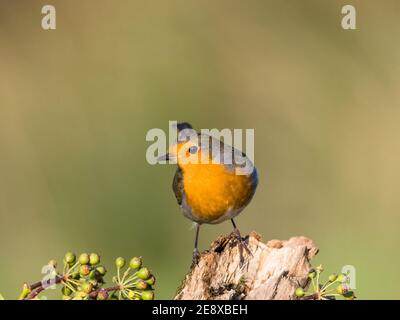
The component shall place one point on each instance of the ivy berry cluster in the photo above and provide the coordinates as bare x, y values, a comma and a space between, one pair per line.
335, 287
82, 278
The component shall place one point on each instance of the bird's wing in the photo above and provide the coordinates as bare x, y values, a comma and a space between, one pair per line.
233, 159
177, 185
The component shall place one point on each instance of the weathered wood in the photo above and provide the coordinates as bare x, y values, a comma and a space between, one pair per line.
226, 271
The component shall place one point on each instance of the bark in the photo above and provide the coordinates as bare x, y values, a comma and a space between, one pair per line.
227, 271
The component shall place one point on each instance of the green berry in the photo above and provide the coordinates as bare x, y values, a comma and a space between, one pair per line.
101, 270
135, 263
93, 275
143, 273
102, 295
94, 259
332, 277
70, 258
86, 287
75, 275
341, 277
84, 258
84, 270
66, 291
131, 295
25, 291
147, 295
299, 292
342, 289
120, 262
141, 285
151, 281
312, 274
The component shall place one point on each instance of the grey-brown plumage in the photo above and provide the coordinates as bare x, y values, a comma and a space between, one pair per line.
177, 185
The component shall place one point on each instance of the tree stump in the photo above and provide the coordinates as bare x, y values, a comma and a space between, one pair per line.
228, 272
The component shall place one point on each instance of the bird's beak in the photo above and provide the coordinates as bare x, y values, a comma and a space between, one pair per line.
164, 157
169, 157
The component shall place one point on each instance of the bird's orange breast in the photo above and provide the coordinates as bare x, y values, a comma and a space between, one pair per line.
211, 190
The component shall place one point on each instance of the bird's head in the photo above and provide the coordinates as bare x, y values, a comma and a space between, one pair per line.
190, 149
188, 153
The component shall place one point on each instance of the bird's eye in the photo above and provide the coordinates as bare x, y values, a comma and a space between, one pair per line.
193, 149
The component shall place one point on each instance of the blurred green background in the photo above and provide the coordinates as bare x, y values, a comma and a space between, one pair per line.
76, 103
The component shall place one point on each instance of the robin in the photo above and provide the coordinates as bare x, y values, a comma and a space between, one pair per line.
213, 183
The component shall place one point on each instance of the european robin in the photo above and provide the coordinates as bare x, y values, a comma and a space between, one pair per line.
213, 183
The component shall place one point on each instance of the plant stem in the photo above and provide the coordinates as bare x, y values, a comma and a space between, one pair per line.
38, 287
94, 294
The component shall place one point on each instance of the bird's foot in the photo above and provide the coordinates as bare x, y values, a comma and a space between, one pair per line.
241, 241
196, 257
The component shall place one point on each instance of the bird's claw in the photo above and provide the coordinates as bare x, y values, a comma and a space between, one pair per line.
196, 257
241, 241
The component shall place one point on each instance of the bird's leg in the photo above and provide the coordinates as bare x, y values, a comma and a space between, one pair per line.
236, 232
196, 253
